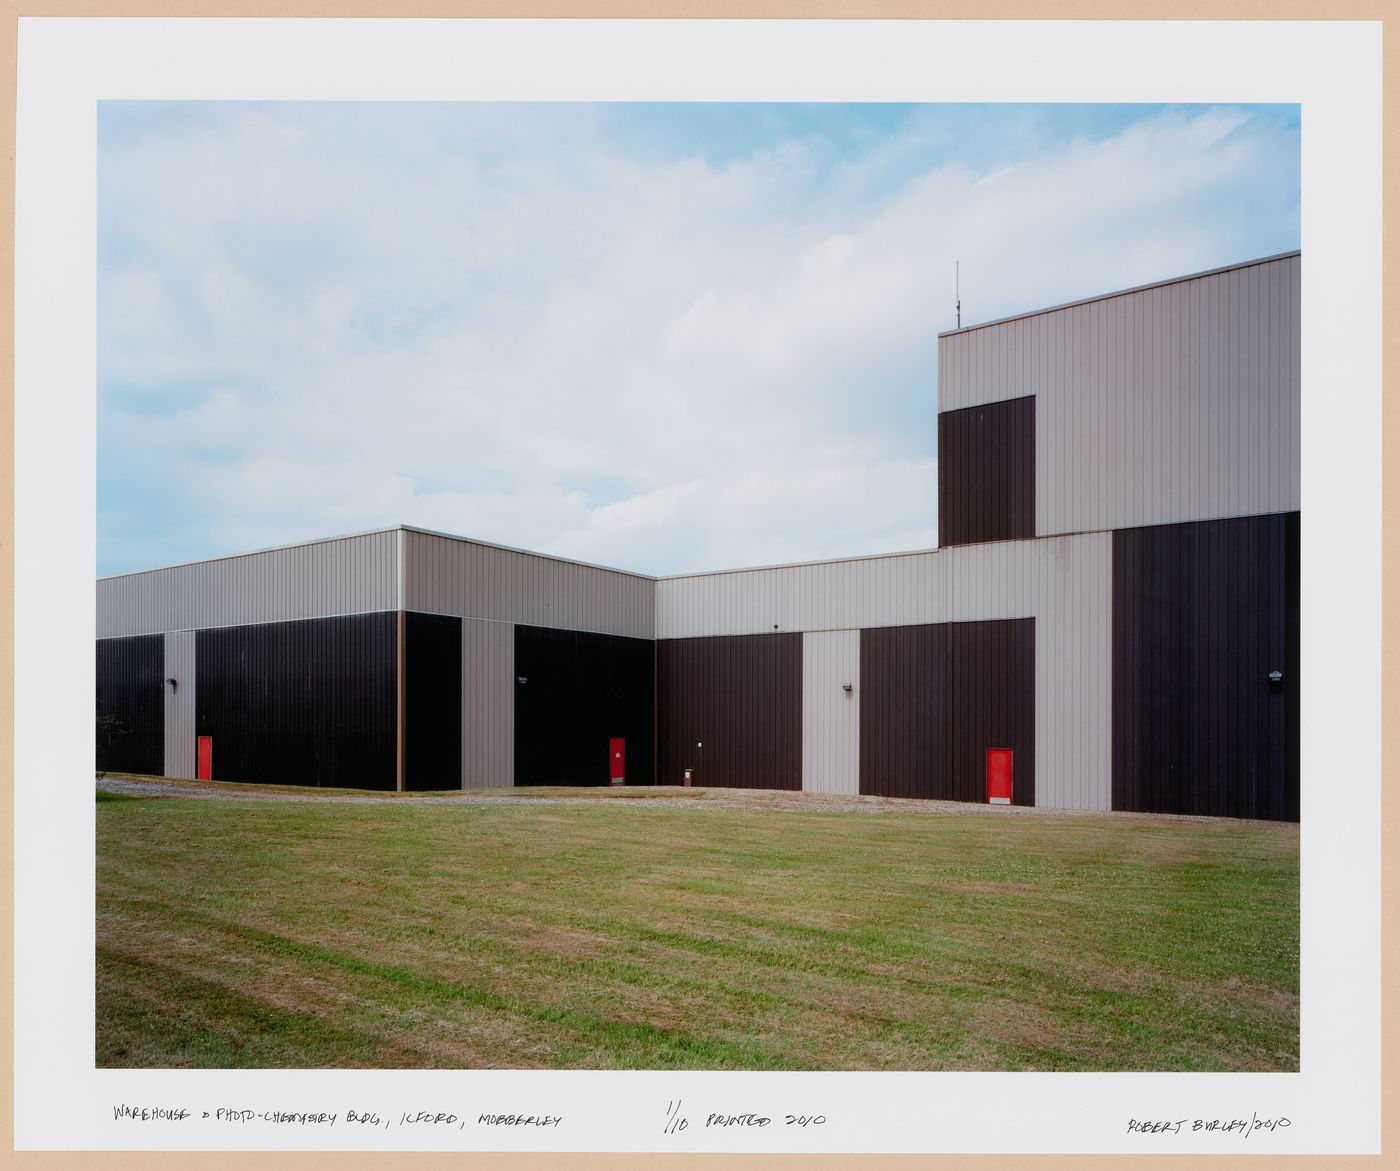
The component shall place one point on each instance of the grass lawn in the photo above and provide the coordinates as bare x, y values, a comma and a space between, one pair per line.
616, 934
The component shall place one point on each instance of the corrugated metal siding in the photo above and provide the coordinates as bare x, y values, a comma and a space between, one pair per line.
1169, 404
741, 700
986, 472
830, 715
433, 701
301, 703
1202, 614
180, 704
448, 576
906, 734
346, 576
1064, 583
935, 698
581, 690
992, 696
488, 705
130, 681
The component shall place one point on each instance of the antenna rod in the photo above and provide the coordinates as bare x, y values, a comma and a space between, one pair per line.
957, 290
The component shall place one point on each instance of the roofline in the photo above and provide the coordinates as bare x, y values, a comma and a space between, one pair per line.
864, 557
571, 561
1176, 280
252, 552
526, 552
648, 577
374, 533
744, 569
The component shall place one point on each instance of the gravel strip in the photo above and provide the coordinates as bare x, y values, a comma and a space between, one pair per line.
674, 797
150, 788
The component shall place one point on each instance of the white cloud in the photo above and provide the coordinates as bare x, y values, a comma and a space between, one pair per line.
664, 365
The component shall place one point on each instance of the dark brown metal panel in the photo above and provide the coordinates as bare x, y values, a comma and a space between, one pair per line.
935, 697
1202, 614
905, 734
432, 701
992, 702
131, 690
738, 697
575, 690
986, 472
301, 703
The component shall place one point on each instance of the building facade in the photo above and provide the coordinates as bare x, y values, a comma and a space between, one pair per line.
1110, 621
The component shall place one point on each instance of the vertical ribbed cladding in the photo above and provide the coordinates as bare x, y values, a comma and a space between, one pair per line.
346, 575
1065, 583
450, 575
574, 691
433, 702
488, 704
740, 697
1171, 403
131, 689
905, 734
986, 472
992, 704
1202, 613
301, 703
180, 704
935, 698
830, 714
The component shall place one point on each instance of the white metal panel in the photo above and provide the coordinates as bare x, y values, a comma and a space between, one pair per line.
830, 714
448, 575
488, 705
180, 704
345, 575
1074, 673
1064, 583
1171, 403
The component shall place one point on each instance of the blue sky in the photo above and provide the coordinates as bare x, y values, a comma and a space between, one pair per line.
662, 337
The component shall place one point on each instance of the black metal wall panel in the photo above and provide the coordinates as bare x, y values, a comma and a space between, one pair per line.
992, 705
576, 690
131, 690
986, 472
905, 733
740, 698
301, 703
1202, 613
934, 698
432, 701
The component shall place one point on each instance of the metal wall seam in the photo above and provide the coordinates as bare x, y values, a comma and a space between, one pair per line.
400, 570
831, 714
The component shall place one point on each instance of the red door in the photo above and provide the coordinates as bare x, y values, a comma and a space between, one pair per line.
617, 760
999, 776
204, 770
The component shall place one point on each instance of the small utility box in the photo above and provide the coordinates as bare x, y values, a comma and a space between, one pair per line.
688, 773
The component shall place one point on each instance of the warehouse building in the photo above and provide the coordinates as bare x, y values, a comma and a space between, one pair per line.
1110, 622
